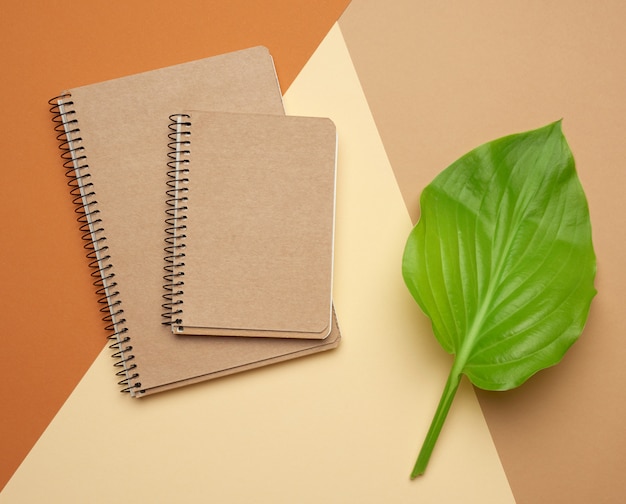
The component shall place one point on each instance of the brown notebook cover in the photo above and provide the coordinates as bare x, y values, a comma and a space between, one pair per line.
114, 142
251, 224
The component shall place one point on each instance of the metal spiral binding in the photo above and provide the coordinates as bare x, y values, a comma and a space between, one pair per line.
178, 172
88, 216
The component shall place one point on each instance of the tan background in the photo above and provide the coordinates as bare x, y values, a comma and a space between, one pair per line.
444, 77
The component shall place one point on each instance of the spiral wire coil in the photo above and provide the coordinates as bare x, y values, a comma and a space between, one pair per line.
88, 216
175, 226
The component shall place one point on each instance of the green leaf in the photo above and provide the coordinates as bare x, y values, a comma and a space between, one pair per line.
502, 263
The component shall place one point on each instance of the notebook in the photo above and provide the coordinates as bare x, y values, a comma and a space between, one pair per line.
113, 138
251, 225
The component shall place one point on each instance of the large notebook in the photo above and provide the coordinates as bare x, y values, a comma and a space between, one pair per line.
251, 224
113, 138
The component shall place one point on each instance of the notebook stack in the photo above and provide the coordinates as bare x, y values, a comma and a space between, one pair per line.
208, 215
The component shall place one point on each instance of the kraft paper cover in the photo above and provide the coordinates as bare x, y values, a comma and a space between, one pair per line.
256, 198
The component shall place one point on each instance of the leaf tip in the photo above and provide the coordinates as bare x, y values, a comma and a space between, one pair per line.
556, 125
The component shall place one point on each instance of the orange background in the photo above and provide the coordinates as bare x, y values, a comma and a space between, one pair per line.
52, 324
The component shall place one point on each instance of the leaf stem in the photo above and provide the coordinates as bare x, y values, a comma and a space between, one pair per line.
449, 391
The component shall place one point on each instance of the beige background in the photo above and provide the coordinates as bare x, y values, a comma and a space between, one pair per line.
444, 77
343, 426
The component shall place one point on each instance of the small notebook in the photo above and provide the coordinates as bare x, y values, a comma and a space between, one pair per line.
251, 225
114, 142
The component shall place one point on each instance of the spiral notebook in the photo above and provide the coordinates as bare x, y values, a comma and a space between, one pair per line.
113, 137
251, 225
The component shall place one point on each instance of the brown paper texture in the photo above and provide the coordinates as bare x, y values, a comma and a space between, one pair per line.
123, 127
258, 221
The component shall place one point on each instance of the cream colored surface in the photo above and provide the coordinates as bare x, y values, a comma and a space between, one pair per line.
339, 427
